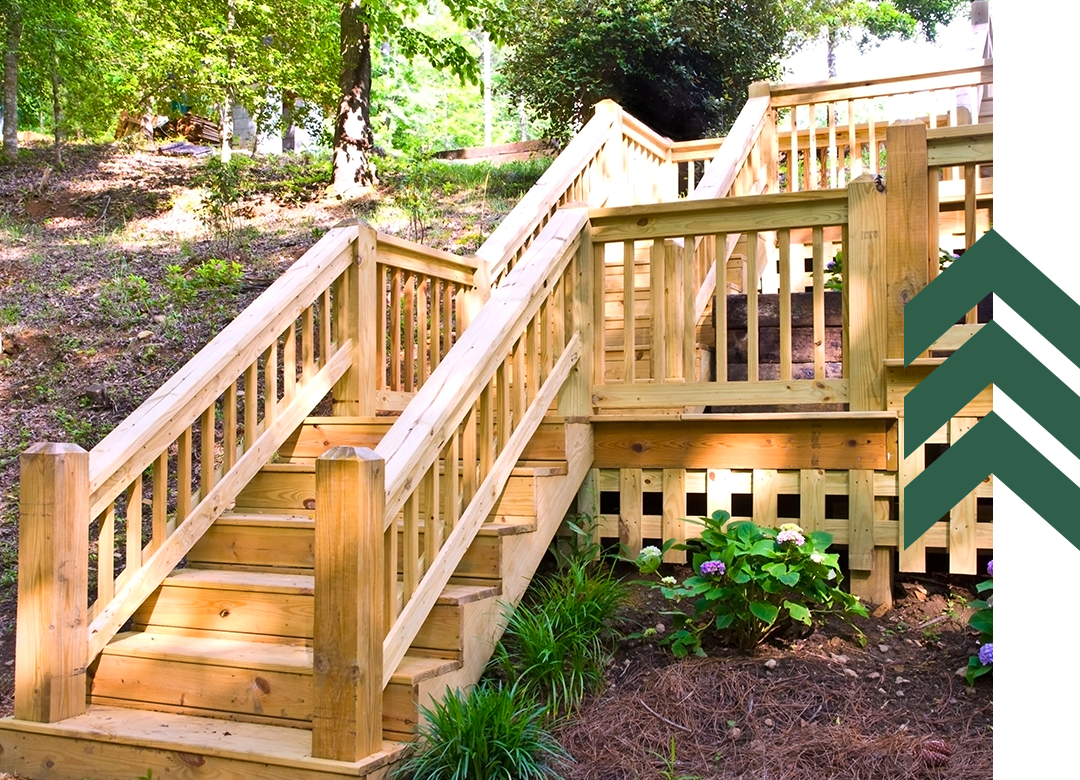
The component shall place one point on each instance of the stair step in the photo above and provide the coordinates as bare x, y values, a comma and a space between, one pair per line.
269, 607
243, 681
114, 743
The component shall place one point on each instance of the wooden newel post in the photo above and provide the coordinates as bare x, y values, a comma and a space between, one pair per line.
350, 624
865, 285
355, 310
50, 640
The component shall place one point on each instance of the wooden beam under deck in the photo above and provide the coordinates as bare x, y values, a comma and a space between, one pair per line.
817, 441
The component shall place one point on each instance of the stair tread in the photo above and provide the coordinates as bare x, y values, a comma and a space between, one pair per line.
270, 582
266, 520
525, 468
222, 579
290, 659
192, 734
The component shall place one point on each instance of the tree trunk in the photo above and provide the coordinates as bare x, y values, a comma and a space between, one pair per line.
58, 114
353, 138
487, 89
230, 98
288, 130
832, 41
11, 81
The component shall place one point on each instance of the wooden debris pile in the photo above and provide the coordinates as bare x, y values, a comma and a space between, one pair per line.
194, 128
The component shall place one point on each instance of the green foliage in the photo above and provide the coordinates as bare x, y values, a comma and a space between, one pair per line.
486, 734
670, 770
754, 581
226, 185
557, 644
982, 621
125, 299
681, 66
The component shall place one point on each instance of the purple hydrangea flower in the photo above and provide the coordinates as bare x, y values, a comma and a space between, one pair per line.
986, 654
990, 567
790, 536
712, 568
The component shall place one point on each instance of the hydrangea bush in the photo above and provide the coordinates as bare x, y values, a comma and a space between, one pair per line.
750, 581
983, 621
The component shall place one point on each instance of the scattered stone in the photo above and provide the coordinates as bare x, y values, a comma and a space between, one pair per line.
874, 675
851, 672
883, 691
909, 641
144, 334
884, 648
769, 722
899, 692
840, 659
771, 663
660, 628
901, 681
159, 318
961, 672
735, 732
96, 396
881, 610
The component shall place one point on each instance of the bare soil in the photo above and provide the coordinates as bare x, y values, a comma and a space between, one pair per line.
82, 345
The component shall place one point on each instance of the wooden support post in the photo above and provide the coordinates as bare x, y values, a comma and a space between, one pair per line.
614, 159
908, 237
51, 645
864, 292
356, 313
350, 599
870, 566
575, 397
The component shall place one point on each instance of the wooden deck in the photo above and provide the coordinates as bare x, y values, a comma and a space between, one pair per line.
265, 593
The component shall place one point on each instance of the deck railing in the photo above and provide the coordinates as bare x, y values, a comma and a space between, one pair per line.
378, 323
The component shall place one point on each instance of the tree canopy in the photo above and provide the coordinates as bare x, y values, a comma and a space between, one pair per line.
681, 66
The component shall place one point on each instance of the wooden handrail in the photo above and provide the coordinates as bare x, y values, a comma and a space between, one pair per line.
946, 146
720, 174
410, 256
413, 445
638, 131
832, 90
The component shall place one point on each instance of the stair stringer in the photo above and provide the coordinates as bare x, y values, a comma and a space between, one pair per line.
522, 554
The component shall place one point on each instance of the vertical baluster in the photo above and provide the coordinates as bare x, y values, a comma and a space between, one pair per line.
872, 128
674, 313
469, 456
784, 237
834, 150
629, 293
453, 485
423, 314
854, 154
933, 218
447, 317
543, 325
433, 536
207, 452
325, 332
433, 322
532, 358
657, 355
159, 507
270, 382
307, 349
752, 307
720, 307
133, 526
819, 302
228, 421
183, 476
410, 548
251, 405
502, 407
106, 559
395, 329
811, 165
688, 286
518, 389
969, 224
793, 159
382, 315
288, 363
486, 438
409, 317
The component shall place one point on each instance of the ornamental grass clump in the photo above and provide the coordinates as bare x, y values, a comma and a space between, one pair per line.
983, 621
750, 582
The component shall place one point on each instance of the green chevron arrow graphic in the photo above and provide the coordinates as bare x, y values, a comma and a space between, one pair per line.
992, 356
991, 446
992, 265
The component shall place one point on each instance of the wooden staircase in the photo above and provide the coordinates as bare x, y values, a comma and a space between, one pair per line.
216, 668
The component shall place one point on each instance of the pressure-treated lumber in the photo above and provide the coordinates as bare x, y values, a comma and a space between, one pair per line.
349, 601
50, 645
354, 393
906, 219
865, 294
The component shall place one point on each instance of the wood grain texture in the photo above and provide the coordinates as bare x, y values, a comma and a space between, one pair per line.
906, 218
865, 291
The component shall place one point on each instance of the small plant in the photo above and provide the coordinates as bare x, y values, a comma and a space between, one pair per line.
670, 770
125, 298
486, 734
752, 581
226, 184
835, 269
983, 621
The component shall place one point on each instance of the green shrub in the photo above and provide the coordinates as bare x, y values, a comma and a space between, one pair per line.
752, 581
983, 621
557, 643
486, 734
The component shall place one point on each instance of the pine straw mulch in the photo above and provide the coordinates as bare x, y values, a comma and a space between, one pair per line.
818, 707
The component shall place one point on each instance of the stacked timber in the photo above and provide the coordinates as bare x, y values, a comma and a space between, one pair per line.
198, 129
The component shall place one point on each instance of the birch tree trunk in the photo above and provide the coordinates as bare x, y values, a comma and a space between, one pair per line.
11, 80
353, 138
